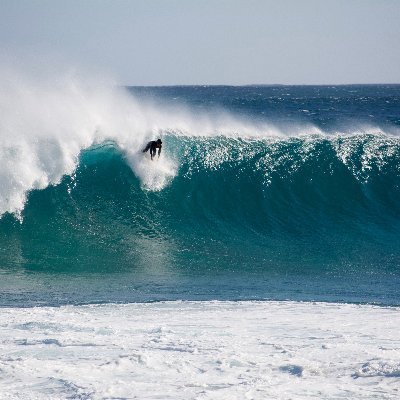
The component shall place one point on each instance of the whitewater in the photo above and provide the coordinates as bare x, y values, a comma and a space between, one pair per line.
257, 258
201, 350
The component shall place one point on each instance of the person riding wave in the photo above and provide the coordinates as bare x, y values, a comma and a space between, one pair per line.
153, 146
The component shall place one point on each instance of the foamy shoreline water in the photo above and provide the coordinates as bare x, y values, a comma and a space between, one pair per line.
201, 350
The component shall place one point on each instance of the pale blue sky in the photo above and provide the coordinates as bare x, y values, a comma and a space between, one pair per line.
166, 42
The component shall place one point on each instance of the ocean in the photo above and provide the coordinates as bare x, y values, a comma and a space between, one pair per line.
264, 199
273, 192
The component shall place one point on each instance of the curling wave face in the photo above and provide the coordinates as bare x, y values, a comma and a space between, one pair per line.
298, 206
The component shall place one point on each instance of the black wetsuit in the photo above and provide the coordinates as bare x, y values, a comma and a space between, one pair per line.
153, 146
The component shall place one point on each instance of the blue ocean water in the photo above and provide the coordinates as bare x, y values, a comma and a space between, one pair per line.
310, 214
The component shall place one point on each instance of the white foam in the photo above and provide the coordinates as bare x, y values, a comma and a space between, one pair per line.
154, 175
208, 350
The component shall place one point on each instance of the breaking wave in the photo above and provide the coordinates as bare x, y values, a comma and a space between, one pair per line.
226, 192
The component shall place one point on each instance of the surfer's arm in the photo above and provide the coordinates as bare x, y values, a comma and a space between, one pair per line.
159, 151
146, 148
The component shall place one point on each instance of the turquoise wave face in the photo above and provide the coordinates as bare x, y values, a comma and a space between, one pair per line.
314, 217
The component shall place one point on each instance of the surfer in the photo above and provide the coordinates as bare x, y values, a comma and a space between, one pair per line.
153, 146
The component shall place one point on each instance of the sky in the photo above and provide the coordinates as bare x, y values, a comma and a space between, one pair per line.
177, 42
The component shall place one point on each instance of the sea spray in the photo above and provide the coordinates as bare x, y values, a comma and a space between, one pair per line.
154, 175
46, 123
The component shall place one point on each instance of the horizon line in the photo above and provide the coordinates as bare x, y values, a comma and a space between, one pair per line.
261, 84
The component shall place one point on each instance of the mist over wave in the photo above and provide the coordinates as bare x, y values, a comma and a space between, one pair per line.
46, 124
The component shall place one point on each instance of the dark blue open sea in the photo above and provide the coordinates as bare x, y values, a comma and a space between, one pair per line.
276, 192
